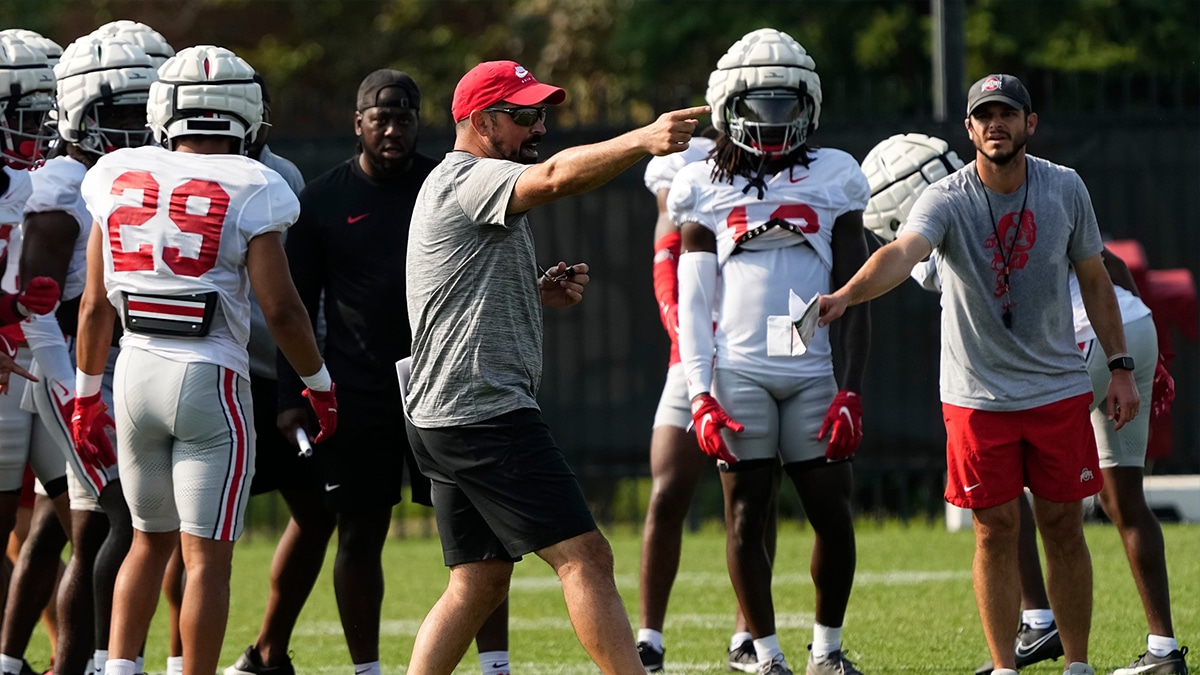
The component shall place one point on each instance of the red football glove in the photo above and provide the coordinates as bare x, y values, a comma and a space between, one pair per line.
843, 423
88, 423
1163, 393
709, 418
40, 296
324, 403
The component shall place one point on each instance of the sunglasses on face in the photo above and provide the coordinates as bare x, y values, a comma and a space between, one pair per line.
522, 117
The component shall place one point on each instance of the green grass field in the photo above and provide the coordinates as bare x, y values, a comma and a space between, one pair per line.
912, 610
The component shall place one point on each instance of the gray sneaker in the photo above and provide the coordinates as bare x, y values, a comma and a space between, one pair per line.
777, 666
1174, 663
1033, 645
834, 663
743, 658
1079, 668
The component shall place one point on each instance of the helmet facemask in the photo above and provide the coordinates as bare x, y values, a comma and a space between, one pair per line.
118, 123
771, 123
26, 134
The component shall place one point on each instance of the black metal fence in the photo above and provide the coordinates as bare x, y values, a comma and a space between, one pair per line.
606, 358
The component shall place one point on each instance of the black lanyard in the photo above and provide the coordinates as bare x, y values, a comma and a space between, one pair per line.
1007, 316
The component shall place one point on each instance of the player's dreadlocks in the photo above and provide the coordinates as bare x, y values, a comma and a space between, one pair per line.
730, 161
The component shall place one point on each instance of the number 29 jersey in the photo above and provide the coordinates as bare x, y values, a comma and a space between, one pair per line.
177, 224
767, 246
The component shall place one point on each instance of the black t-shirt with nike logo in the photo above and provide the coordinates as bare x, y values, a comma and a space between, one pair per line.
350, 242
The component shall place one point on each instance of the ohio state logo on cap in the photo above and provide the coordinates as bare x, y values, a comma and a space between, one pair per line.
991, 84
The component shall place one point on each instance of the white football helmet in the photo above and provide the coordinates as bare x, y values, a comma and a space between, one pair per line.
103, 86
151, 41
899, 169
205, 90
49, 47
26, 97
765, 93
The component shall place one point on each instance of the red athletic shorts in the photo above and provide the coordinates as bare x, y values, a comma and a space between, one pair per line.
992, 456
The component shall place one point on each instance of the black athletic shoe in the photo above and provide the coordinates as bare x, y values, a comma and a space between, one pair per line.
743, 658
250, 663
652, 659
1174, 663
834, 663
1033, 645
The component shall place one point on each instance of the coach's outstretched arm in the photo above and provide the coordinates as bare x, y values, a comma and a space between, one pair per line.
883, 271
586, 167
288, 322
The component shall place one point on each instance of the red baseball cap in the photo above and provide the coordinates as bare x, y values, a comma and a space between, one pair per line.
493, 81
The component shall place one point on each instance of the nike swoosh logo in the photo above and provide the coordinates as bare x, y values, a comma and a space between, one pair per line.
704, 423
971, 487
350, 220
360, 672
502, 664
1141, 669
797, 180
331, 488
849, 418
1023, 650
61, 393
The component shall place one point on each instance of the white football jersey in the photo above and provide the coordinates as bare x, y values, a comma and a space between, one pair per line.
177, 224
661, 170
12, 210
56, 188
768, 247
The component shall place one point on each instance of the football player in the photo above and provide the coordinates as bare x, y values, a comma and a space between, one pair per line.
766, 218
26, 97
181, 233
102, 87
675, 460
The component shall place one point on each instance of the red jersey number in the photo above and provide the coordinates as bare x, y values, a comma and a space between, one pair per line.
800, 216
207, 225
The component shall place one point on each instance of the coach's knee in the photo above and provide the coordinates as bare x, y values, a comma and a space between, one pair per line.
587, 554
1061, 523
998, 527
483, 583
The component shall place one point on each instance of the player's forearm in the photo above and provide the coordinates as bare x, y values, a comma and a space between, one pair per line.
697, 294
94, 335
855, 333
290, 326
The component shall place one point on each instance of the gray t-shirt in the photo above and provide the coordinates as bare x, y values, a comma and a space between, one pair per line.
473, 298
985, 365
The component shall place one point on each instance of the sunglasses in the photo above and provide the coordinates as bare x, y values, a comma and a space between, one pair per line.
522, 117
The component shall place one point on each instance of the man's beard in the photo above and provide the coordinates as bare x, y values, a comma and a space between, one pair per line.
502, 151
387, 166
1003, 158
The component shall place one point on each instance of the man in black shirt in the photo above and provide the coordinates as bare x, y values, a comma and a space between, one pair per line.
346, 254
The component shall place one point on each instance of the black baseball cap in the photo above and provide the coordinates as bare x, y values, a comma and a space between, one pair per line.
387, 87
1003, 88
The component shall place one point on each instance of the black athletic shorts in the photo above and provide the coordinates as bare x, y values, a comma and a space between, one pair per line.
501, 487
363, 465
277, 464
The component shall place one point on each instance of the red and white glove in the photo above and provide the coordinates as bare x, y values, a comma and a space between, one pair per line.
843, 423
709, 418
39, 297
1163, 393
324, 404
88, 423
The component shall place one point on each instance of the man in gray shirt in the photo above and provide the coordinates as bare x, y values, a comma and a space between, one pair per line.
501, 487
1015, 391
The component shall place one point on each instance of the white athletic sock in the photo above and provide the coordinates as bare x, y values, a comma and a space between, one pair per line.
120, 667
652, 637
1004, 671
371, 668
1037, 619
494, 663
141, 666
826, 640
1158, 645
767, 648
174, 665
11, 664
739, 639
98, 658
